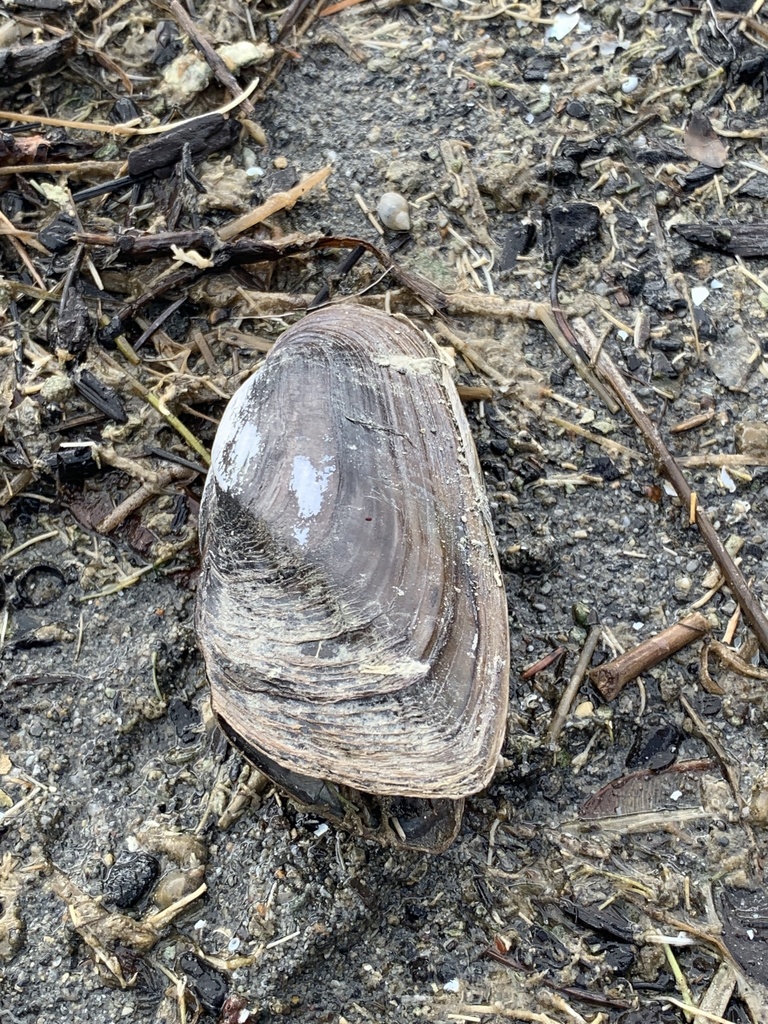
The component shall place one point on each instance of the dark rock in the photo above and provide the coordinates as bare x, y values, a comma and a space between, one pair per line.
130, 879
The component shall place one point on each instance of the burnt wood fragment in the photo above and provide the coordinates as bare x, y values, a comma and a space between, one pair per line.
747, 240
204, 135
99, 395
21, 63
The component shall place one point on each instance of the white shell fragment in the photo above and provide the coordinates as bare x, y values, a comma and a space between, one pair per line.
699, 294
562, 24
393, 212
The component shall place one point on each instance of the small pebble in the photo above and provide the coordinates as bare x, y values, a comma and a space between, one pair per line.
578, 110
280, 162
393, 212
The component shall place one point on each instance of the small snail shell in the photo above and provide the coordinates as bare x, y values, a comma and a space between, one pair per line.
350, 608
393, 212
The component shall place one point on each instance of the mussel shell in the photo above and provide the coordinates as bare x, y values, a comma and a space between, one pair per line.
351, 610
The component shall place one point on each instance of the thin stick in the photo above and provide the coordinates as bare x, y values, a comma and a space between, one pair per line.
204, 45
140, 497
123, 129
72, 170
276, 202
734, 577
611, 679
569, 693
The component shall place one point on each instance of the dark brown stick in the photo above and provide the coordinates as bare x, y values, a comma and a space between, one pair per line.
569, 693
611, 679
204, 45
734, 577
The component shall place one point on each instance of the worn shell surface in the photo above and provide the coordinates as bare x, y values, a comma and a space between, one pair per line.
350, 609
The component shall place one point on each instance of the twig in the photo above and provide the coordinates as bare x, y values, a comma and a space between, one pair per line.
204, 45
70, 168
611, 679
734, 577
568, 343
140, 497
569, 693
543, 663
276, 202
130, 128
737, 664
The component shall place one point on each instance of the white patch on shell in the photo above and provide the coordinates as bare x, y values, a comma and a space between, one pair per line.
309, 483
237, 443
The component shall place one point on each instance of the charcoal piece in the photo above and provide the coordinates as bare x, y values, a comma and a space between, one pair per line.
130, 880
606, 469
662, 367
73, 465
204, 135
697, 178
517, 241
755, 188
652, 156
747, 240
733, 6
168, 43
705, 325
562, 171
99, 395
708, 704
208, 984
619, 956
73, 326
582, 149
609, 921
748, 67
633, 361
57, 236
21, 63
124, 110
567, 229
656, 750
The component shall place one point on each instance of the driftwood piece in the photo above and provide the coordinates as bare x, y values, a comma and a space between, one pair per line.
611, 679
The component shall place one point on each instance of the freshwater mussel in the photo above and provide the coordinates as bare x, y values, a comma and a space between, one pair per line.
351, 611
